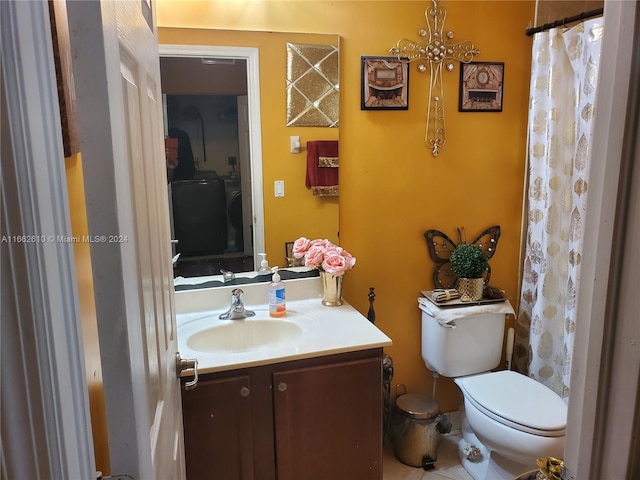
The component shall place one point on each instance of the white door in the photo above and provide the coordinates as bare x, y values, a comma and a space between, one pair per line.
119, 105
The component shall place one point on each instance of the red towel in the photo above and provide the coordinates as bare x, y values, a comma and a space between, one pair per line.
322, 168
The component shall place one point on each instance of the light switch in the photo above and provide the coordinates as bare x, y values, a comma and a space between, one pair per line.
278, 188
294, 143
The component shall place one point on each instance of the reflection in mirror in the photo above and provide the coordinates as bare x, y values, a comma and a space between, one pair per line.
202, 99
211, 217
206, 191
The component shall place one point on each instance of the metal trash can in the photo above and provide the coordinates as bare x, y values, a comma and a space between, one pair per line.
417, 430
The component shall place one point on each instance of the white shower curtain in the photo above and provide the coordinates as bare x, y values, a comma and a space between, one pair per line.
563, 88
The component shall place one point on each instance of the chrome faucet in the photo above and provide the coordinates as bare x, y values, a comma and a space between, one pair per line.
236, 310
227, 276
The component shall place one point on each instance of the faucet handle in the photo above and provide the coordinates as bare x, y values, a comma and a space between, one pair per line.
227, 276
237, 296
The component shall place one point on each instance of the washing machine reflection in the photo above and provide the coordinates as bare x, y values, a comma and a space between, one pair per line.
233, 196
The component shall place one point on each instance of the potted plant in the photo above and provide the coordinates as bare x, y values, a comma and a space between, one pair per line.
469, 263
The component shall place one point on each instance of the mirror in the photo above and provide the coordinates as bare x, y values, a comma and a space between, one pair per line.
202, 95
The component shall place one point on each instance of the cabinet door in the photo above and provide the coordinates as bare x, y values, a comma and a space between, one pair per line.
328, 421
217, 428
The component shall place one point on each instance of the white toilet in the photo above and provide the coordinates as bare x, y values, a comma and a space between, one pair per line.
510, 419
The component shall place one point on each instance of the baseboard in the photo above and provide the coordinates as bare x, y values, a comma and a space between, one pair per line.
455, 418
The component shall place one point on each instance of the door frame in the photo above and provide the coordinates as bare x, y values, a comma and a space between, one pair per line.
252, 56
48, 396
603, 423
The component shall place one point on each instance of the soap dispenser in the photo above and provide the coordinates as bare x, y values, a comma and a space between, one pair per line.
277, 298
264, 265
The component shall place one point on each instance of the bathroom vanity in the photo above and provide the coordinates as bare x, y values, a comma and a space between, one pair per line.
319, 418
287, 401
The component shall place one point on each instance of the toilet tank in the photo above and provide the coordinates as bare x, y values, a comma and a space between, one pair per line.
473, 346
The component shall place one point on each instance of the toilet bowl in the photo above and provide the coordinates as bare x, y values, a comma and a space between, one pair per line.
516, 418
510, 419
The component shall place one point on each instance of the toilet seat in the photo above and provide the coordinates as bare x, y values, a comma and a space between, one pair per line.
517, 401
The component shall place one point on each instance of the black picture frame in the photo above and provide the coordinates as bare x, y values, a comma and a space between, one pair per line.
481, 87
385, 83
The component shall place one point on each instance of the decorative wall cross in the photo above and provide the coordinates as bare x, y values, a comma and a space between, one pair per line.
433, 51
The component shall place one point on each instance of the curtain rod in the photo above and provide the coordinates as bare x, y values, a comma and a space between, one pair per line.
564, 21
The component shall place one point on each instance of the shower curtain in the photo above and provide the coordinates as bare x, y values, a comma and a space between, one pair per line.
561, 109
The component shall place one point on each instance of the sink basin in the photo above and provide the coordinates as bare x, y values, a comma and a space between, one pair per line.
225, 345
244, 335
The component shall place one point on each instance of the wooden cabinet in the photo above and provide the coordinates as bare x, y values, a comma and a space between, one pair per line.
328, 421
217, 425
313, 419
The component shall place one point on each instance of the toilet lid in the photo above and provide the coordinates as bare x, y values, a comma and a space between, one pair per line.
517, 401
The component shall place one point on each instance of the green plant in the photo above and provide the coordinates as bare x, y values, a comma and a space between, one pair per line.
468, 261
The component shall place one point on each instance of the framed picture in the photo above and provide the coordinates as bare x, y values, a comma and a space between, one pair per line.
481, 86
385, 83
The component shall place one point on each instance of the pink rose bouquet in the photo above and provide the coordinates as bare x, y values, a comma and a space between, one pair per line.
323, 255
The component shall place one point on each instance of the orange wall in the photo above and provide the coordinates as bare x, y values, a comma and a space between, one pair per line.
392, 189
84, 277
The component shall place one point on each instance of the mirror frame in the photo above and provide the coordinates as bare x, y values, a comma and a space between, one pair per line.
252, 57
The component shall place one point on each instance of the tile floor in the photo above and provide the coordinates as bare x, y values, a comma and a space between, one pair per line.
447, 465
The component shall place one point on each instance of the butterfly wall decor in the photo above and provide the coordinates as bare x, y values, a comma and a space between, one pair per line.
440, 247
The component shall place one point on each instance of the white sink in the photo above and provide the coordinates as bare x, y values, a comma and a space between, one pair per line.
222, 345
245, 335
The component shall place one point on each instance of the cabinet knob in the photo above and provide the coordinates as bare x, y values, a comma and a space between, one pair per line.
282, 387
244, 392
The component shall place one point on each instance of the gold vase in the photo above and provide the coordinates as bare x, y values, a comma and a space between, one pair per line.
470, 289
331, 289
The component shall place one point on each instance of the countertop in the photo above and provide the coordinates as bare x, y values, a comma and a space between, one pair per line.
325, 330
